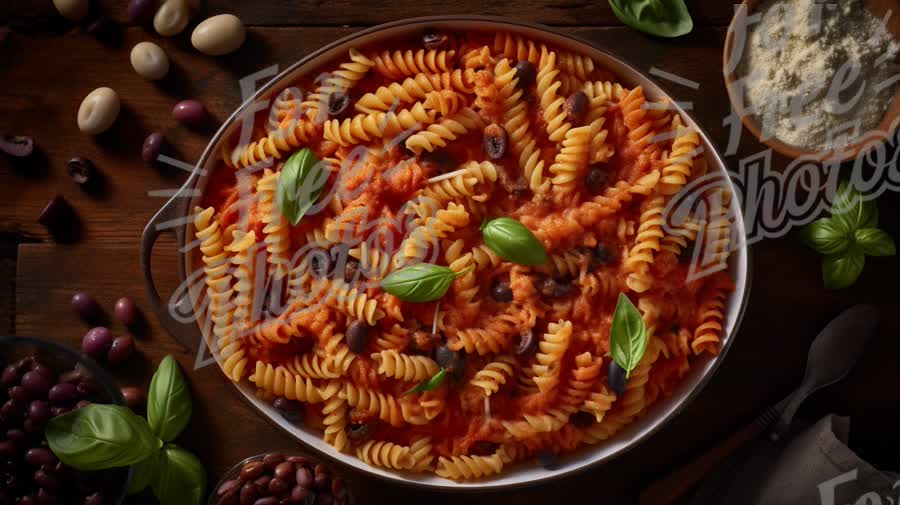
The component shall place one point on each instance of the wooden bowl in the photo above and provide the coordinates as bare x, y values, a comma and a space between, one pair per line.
866, 141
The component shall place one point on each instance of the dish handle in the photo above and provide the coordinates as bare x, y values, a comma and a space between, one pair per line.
170, 218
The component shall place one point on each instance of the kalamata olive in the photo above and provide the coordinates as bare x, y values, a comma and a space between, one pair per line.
19, 394
278, 486
94, 499
86, 307
285, 472
547, 460
483, 448
16, 435
134, 397
433, 39
98, 111
289, 409
152, 147
338, 487
249, 492
596, 178
58, 411
140, 12
190, 112
72, 376
80, 169
219, 35
11, 409
10, 376
358, 433
46, 479
228, 486
55, 213
616, 378
62, 394
501, 292
16, 145
582, 419
299, 493
86, 388
121, 349
38, 411
554, 288
351, 269
97, 342
75, 10
439, 161
171, 18
24, 364
526, 344
46, 371
494, 140
36, 383
452, 361
44, 497
526, 73
600, 255
266, 500
126, 311
338, 103
576, 107
39, 456
149, 61
357, 336
321, 480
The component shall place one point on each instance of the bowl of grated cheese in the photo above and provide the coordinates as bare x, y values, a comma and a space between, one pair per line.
815, 80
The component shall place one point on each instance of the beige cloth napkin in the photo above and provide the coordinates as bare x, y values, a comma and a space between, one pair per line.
814, 466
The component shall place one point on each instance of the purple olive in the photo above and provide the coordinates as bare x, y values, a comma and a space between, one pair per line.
10, 376
18, 393
55, 213
153, 145
126, 311
121, 349
7, 448
141, 12
11, 409
72, 376
43, 497
289, 409
357, 336
17, 146
190, 112
616, 378
86, 307
526, 73
46, 479
16, 435
39, 456
81, 170
38, 411
36, 383
97, 342
134, 397
58, 411
62, 394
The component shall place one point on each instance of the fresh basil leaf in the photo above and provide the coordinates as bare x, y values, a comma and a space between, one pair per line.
852, 209
513, 241
841, 270
98, 437
433, 383
300, 184
827, 236
142, 474
875, 242
180, 478
664, 18
422, 282
628, 335
169, 401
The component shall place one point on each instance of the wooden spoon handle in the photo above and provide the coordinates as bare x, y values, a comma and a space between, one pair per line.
673, 486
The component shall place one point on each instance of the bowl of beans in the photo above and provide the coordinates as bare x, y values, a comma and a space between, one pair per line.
41, 380
280, 478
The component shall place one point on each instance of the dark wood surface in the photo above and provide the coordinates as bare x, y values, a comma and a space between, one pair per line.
48, 65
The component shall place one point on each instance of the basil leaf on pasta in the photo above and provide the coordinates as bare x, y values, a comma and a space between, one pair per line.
300, 184
664, 18
433, 383
841, 271
628, 335
827, 236
513, 241
169, 401
419, 283
875, 242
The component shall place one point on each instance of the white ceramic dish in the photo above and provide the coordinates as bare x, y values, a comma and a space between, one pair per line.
658, 414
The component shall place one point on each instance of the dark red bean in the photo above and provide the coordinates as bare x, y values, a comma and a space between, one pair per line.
126, 311
190, 112
278, 486
16, 435
526, 344
526, 73
494, 140
55, 213
62, 394
272, 460
266, 500
39, 456
44, 497
19, 394
616, 378
134, 397
36, 383
325, 499
285, 471
576, 107
434, 40
152, 147
10, 376
80, 169
230, 498
39, 411
262, 483
357, 336
321, 481
252, 470
44, 370
7, 448
96, 342
86, 307
94, 499
501, 292
121, 349
338, 488
17, 146
298, 460
228, 486
34, 428
141, 12
289, 409
596, 178
46, 480
304, 477
299, 493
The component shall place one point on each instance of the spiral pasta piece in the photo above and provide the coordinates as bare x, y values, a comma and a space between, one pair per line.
365, 127
496, 336
634, 113
599, 402
281, 382
386, 455
445, 102
412, 89
552, 105
708, 334
405, 367
243, 249
680, 159
647, 244
549, 356
469, 467
276, 231
290, 135
517, 125
353, 302
373, 403
398, 64
571, 161
421, 455
335, 422
339, 81
494, 374
448, 129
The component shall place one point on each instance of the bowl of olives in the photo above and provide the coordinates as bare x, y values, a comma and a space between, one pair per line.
41, 380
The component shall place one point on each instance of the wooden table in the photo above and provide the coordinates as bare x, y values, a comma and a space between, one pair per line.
48, 65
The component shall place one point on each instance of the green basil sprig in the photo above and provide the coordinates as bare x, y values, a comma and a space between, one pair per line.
433, 383
664, 18
300, 184
422, 282
627, 336
513, 241
99, 437
847, 237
